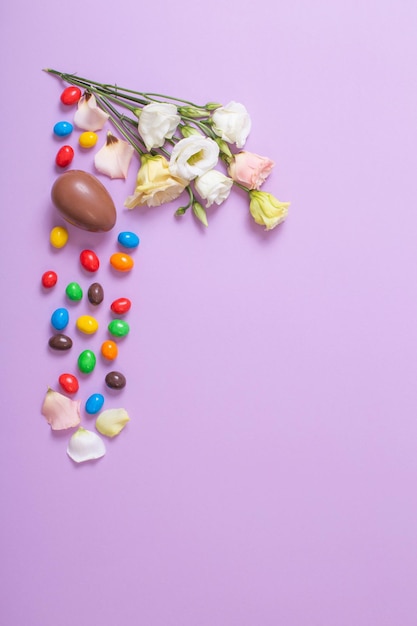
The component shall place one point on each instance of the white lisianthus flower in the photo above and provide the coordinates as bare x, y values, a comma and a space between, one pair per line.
193, 156
157, 121
89, 116
232, 123
213, 186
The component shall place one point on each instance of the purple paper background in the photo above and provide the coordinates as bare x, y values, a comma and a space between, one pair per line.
268, 474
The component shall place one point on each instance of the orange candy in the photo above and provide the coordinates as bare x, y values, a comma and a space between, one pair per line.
121, 262
109, 350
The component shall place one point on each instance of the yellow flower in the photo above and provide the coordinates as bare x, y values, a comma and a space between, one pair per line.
266, 210
155, 185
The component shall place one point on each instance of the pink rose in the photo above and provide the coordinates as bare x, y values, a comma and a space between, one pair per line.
250, 170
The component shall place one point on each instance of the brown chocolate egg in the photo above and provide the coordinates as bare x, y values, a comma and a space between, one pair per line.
84, 201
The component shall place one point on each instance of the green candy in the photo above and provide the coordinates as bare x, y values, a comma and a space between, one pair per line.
118, 328
87, 361
74, 292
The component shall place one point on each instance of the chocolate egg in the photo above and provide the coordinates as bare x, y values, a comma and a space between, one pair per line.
84, 201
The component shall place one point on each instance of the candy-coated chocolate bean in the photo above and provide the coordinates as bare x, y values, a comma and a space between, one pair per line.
95, 294
63, 129
109, 350
87, 324
87, 361
94, 403
128, 239
88, 139
121, 262
121, 306
89, 260
49, 279
118, 328
69, 383
115, 380
58, 236
60, 319
74, 292
60, 342
64, 156
70, 95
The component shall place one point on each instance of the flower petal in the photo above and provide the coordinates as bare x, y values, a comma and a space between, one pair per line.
60, 411
88, 115
113, 159
112, 421
85, 445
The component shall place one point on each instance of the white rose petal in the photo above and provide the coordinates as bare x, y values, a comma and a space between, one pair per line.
232, 123
193, 156
213, 186
85, 445
88, 115
112, 421
158, 121
114, 158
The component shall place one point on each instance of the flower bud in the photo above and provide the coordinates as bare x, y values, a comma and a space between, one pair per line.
187, 131
200, 213
192, 111
212, 106
224, 147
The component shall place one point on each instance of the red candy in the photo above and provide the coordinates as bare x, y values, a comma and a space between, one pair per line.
49, 279
121, 306
70, 95
64, 156
89, 260
69, 383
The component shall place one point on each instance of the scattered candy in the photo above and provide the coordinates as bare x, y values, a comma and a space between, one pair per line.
112, 421
58, 237
109, 350
86, 361
84, 201
64, 156
88, 139
118, 328
69, 383
60, 319
115, 380
60, 342
74, 292
121, 262
87, 324
85, 445
121, 306
63, 129
94, 403
95, 294
60, 412
89, 260
49, 279
128, 239
70, 95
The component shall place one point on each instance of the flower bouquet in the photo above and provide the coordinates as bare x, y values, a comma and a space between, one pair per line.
179, 145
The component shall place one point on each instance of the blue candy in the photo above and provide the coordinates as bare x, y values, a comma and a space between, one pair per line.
94, 403
60, 319
128, 239
62, 129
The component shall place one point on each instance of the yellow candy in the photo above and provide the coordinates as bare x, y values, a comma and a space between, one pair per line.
87, 324
88, 139
58, 237
121, 262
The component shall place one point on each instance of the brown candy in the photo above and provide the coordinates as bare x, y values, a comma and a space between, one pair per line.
115, 380
83, 201
95, 294
60, 342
